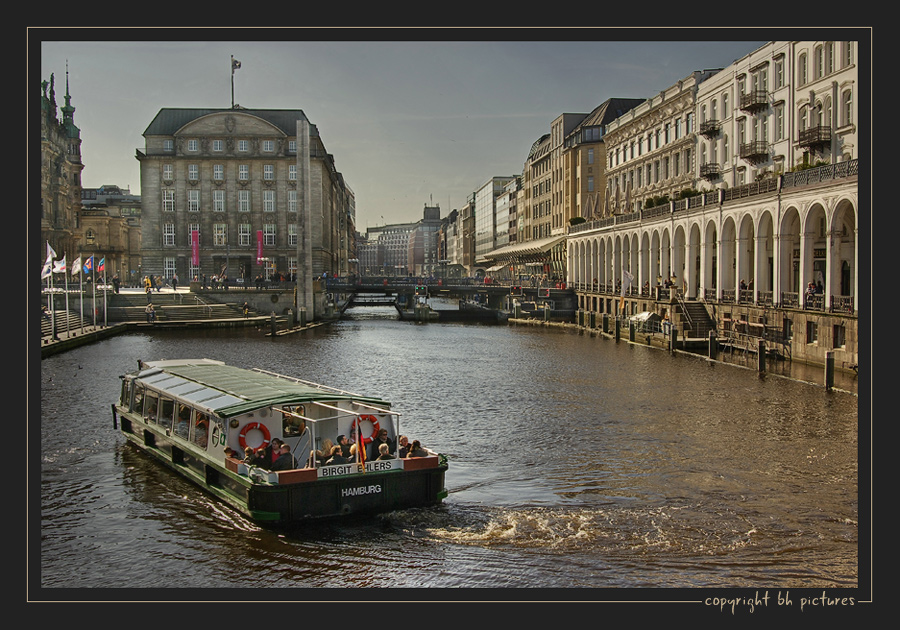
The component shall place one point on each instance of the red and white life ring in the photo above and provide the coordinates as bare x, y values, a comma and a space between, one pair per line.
255, 425
375, 427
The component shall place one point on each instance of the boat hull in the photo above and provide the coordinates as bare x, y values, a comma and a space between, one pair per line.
295, 495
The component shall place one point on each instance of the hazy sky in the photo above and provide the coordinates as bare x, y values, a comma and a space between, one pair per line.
409, 123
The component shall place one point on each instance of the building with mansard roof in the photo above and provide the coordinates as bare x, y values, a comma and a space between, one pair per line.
222, 192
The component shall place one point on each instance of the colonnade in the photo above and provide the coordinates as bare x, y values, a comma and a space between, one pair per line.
772, 245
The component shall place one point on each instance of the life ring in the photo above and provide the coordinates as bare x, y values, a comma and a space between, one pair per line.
249, 427
375, 427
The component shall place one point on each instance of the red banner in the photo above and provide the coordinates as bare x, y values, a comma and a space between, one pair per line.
259, 246
195, 248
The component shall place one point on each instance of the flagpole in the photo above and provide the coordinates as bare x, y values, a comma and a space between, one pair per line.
52, 305
81, 292
94, 288
232, 81
66, 275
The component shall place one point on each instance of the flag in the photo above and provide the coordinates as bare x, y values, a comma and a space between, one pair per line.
89, 265
76, 266
50, 251
60, 265
47, 268
628, 278
235, 64
360, 445
101, 265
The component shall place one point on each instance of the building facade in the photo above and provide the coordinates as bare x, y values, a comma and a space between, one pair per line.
61, 168
770, 245
111, 230
223, 193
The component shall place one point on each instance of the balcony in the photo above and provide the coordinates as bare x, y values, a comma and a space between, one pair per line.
815, 137
710, 172
754, 152
710, 128
754, 100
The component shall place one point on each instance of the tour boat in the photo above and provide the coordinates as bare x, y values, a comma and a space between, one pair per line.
198, 416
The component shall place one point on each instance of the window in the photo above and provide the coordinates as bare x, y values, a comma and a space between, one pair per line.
200, 430
193, 146
220, 232
218, 172
269, 234
292, 201
840, 336
244, 200
779, 121
168, 266
169, 234
193, 172
194, 227
168, 172
801, 70
243, 146
847, 54
151, 403
846, 108
292, 146
292, 172
590, 184
292, 234
812, 332
168, 145
268, 146
268, 172
219, 200
778, 73
168, 201
193, 201
269, 201
244, 234
217, 146
243, 172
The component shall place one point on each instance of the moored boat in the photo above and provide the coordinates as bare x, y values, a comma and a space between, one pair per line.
198, 416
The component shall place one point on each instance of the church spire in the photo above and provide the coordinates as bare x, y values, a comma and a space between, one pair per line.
68, 111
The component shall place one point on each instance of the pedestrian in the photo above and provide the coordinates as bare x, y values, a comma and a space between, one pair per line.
150, 312
116, 283
174, 282
245, 308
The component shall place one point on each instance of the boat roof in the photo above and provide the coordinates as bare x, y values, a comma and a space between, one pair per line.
229, 391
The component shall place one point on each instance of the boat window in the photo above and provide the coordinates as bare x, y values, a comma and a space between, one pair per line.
183, 422
150, 403
125, 396
137, 403
167, 412
290, 424
201, 430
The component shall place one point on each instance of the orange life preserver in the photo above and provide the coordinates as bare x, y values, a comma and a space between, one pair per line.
375, 427
255, 425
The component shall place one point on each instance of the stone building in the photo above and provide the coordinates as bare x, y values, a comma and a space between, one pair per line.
223, 192
111, 230
61, 167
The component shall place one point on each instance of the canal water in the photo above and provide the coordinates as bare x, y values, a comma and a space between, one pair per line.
576, 462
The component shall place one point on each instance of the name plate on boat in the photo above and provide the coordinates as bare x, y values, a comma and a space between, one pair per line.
379, 465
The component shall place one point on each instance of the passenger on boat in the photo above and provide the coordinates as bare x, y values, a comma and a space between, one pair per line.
416, 450
230, 452
354, 453
286, 460
344, 443
384, 452
254, 458
337, 457
375, 446
404, 446
324, 453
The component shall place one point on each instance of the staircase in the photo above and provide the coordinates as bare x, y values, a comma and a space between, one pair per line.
169, 307
64, 319
695, 319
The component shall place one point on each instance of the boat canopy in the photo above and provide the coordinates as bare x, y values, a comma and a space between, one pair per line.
230, 391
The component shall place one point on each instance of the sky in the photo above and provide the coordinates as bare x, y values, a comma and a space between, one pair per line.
409, 123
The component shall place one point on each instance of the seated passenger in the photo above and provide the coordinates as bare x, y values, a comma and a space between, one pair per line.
375, 446
344, 443
416, 450
285, 459
384, 452
336, 457
324, 453
253, 458
404, 446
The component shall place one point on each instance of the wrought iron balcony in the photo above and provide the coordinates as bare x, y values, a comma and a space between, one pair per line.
710, 171
755, 152
754, 100
710, 128
815, 137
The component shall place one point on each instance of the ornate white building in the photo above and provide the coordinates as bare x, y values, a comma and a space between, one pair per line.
777, 209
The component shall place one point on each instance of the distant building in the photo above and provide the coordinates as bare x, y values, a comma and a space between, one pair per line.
402, 249
60, 202
222, 191
111, 229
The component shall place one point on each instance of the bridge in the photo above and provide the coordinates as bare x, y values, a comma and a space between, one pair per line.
404, 293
